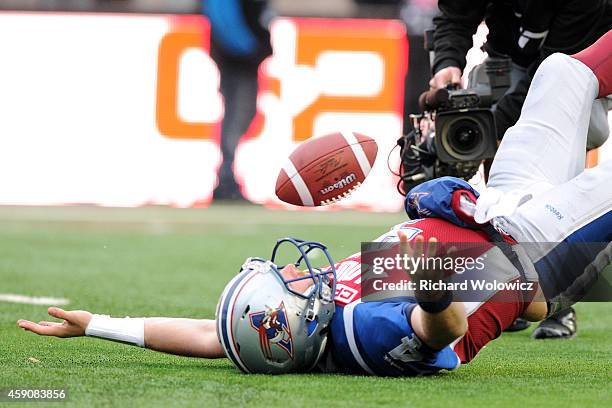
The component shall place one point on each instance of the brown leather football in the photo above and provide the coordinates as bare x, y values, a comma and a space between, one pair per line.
325, 169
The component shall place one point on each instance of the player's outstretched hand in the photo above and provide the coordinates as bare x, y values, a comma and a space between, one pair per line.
74, 323
419, 248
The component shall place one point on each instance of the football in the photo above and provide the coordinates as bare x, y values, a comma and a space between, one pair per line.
325, 169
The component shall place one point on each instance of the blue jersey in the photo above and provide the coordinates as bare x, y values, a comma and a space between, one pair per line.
376, 338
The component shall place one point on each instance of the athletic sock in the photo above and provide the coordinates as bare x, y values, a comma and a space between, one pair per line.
598, 57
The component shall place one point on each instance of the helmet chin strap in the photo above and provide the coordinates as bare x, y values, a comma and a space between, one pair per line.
310, 312
327, 294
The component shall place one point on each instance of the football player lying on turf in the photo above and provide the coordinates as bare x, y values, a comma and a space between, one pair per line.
279, 320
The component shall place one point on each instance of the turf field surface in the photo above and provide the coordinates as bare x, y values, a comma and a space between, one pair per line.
169, 262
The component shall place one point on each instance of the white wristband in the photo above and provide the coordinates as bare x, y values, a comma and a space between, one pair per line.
124, 330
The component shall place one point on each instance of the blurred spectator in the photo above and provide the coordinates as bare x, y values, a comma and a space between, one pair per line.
418, 16
240, 41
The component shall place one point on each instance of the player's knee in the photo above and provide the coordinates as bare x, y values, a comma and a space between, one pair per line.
560, 76
557, 67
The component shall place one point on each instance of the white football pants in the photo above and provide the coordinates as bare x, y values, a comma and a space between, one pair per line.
539, 190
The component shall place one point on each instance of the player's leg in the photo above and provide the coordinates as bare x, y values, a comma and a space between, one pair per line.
547, 146
580, 198
567, 233
598, 58
599, 127
582, 204
577, 213
532, 216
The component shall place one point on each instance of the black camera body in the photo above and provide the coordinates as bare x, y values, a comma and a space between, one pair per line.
464, 132
464, 129
465, 126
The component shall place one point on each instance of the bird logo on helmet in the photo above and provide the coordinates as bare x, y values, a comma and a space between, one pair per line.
265, 324
273, 328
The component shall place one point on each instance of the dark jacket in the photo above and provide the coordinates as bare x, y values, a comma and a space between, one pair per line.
525, 30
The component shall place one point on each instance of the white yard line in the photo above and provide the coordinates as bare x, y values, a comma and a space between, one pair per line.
31, 300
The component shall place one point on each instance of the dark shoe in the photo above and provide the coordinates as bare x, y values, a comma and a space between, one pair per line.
518, 325
561, 325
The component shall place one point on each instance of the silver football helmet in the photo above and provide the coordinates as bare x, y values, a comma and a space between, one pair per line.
265, 325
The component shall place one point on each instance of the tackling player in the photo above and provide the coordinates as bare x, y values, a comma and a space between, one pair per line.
279, 320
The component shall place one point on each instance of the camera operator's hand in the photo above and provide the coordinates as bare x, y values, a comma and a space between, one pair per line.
446, 76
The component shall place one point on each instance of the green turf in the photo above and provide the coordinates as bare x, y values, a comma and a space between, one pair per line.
158, 261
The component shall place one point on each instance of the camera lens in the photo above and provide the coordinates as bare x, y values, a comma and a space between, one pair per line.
463, 138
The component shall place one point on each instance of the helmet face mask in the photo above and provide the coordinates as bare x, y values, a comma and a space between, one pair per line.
266, 324
323, 285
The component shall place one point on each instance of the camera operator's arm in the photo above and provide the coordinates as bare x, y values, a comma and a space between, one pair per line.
455, 25
577, 24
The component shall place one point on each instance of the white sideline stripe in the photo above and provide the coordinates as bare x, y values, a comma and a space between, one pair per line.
357, 151
31, 300
298, 183
350, 335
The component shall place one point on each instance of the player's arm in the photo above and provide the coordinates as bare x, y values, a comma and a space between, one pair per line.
185, 337
438, 330
436, 320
